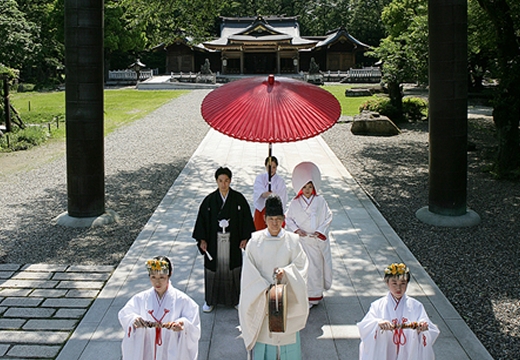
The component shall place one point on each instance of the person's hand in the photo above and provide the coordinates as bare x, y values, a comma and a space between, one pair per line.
266, 194
203, 245
139, 323
243, 244
422, 326
174, 325
279, 273
385, 325
300, 232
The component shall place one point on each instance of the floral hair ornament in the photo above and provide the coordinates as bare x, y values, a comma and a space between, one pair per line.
396, 269
157, 267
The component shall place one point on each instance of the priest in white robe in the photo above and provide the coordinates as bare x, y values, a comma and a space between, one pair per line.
161, 323
265, 186
273, 253
309, 216
397, 327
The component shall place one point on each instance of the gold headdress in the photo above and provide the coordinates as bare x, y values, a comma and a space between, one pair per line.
396, 269
157, 266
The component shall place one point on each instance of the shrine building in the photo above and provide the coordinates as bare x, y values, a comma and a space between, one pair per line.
265, 45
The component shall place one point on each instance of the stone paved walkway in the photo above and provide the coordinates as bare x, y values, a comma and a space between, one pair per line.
41, 305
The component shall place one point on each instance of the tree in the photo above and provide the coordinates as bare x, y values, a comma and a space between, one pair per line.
404, 52
123, 42
481, 47
17, 34
161, 20
365, 20
504, 16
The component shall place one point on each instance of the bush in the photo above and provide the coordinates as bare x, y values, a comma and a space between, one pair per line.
414, 109
22, 87
23, 139
382, 106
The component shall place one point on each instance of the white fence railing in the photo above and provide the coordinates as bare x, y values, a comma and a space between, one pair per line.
128, 75
368, 73
193, 77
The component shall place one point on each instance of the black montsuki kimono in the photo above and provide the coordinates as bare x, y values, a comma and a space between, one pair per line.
236, 210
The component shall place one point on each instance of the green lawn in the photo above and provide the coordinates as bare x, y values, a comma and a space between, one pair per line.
349, 105
121, 107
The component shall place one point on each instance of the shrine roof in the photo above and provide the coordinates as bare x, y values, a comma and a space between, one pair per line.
259, 30
337, 35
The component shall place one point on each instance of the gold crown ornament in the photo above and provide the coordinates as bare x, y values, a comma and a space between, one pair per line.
157, 266
396, 269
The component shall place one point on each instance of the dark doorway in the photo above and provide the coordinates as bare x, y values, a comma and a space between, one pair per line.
259, 63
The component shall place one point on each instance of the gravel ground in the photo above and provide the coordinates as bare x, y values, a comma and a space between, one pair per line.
476, 268
142, 161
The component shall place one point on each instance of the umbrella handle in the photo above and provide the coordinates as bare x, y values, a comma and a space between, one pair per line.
269, 166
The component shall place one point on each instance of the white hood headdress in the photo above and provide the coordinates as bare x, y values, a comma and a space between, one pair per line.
303, 173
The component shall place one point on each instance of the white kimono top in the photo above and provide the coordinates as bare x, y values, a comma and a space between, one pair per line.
263, 254
312, 217
403, 344
261, 185
160, 344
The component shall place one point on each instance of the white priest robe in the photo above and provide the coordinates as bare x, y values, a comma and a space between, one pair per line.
313, 215
261, 185
160, 344
263, 254
399, 344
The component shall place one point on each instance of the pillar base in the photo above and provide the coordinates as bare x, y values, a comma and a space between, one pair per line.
471, 218
108, 217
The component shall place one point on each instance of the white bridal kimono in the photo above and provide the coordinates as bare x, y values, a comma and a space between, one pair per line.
160, 344
263, 254
403, 344
311, 215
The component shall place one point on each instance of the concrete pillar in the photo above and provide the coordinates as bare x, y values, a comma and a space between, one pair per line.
447, 20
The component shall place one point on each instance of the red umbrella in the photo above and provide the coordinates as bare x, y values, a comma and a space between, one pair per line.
270, 110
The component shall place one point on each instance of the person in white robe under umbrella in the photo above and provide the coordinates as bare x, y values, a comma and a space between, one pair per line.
161, 323
309, 216
266, 185
397, 327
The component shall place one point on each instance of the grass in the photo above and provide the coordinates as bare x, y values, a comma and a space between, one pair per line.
121, 106
349, 105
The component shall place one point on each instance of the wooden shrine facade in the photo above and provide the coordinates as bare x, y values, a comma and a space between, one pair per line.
265, 45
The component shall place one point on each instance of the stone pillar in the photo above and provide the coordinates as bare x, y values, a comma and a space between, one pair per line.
84, 112
447, 20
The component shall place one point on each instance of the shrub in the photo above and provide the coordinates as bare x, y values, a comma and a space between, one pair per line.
382, 106
23, 139
414, 109
23, 87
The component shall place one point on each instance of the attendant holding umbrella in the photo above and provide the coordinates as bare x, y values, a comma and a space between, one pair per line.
267, 183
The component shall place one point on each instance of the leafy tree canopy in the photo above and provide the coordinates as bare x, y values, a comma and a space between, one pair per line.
17, 34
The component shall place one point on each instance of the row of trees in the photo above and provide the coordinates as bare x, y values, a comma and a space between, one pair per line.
33, 30
32, 33
493, 55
